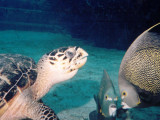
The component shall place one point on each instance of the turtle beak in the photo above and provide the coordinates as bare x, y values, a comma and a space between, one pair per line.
82, 60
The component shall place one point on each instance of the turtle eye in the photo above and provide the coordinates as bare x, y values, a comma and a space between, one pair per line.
70, 54
124, 93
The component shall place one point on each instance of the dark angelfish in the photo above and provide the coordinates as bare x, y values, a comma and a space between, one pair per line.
139, 74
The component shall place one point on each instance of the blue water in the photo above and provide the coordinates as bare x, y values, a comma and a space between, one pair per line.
33, 28
73, 99
77, 92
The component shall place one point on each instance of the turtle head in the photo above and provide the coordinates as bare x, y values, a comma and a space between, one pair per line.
63, 63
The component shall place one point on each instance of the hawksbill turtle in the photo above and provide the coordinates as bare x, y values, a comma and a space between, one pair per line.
23, 83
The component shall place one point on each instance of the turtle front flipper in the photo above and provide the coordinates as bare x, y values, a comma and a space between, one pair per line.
46, 113
26, 109
39, 111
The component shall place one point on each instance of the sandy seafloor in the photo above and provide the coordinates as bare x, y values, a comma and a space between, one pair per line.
72, 99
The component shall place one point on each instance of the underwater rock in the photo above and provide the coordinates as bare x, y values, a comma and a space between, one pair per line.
107, 23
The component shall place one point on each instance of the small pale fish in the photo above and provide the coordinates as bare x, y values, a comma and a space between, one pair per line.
106, 99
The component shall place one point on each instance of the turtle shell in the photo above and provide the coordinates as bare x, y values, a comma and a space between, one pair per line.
17, 73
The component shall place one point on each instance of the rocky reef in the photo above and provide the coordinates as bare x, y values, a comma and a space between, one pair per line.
107, 23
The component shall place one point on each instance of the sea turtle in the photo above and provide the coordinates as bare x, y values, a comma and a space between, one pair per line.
22, 83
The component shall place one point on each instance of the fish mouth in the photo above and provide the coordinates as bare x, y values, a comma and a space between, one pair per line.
112, 110
125, 106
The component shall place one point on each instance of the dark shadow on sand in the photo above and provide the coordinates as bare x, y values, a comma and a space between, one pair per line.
71, 94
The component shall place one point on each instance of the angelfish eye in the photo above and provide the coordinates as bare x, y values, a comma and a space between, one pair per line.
124, 93
106, 97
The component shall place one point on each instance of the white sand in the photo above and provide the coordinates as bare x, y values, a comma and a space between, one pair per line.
73, 99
